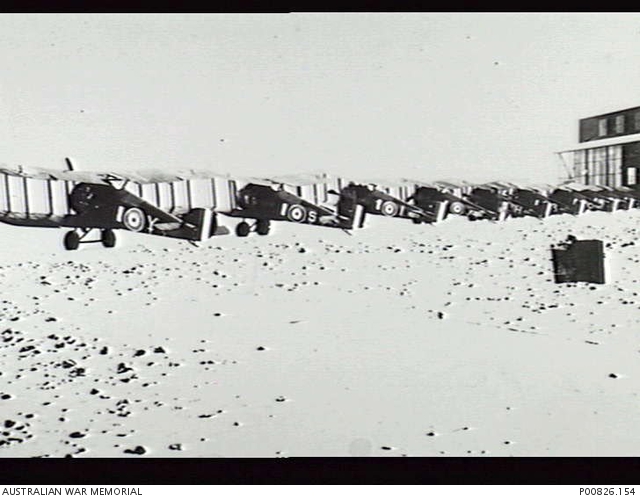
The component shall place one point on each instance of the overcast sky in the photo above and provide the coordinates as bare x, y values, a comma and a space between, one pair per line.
471, 96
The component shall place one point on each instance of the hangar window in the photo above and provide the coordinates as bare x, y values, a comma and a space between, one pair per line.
602, 127
581, 174
620, 123
637, 120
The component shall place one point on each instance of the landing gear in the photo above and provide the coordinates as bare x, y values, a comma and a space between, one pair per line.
263, 227
108, 238
71, 240
243, 229
74, 238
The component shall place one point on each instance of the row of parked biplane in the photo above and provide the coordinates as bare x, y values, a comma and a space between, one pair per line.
187, 206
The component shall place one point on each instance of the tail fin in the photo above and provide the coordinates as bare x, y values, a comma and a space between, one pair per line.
503, 211
350, 209
548, 210
582, 206
443, 208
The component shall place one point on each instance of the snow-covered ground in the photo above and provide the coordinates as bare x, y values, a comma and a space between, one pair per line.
445, 340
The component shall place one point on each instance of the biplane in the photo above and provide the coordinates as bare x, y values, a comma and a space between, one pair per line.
459, 197
86, 202
263, 203
627, 197
631, 196
426, 196
570, 201
523, 201
533, 203
488, 203
471, 201
377, 202
599, 199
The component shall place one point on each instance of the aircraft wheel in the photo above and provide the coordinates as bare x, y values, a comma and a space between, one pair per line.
243, 229
134, 219
297, 213
389, 209
71, 240
263, 227
416, 221
108, 238
457, 208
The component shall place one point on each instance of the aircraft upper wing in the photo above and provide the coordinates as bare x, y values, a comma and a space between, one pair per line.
299, 179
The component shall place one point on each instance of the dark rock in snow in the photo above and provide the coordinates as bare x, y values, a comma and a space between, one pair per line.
77, 372
138, 450
122, 368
